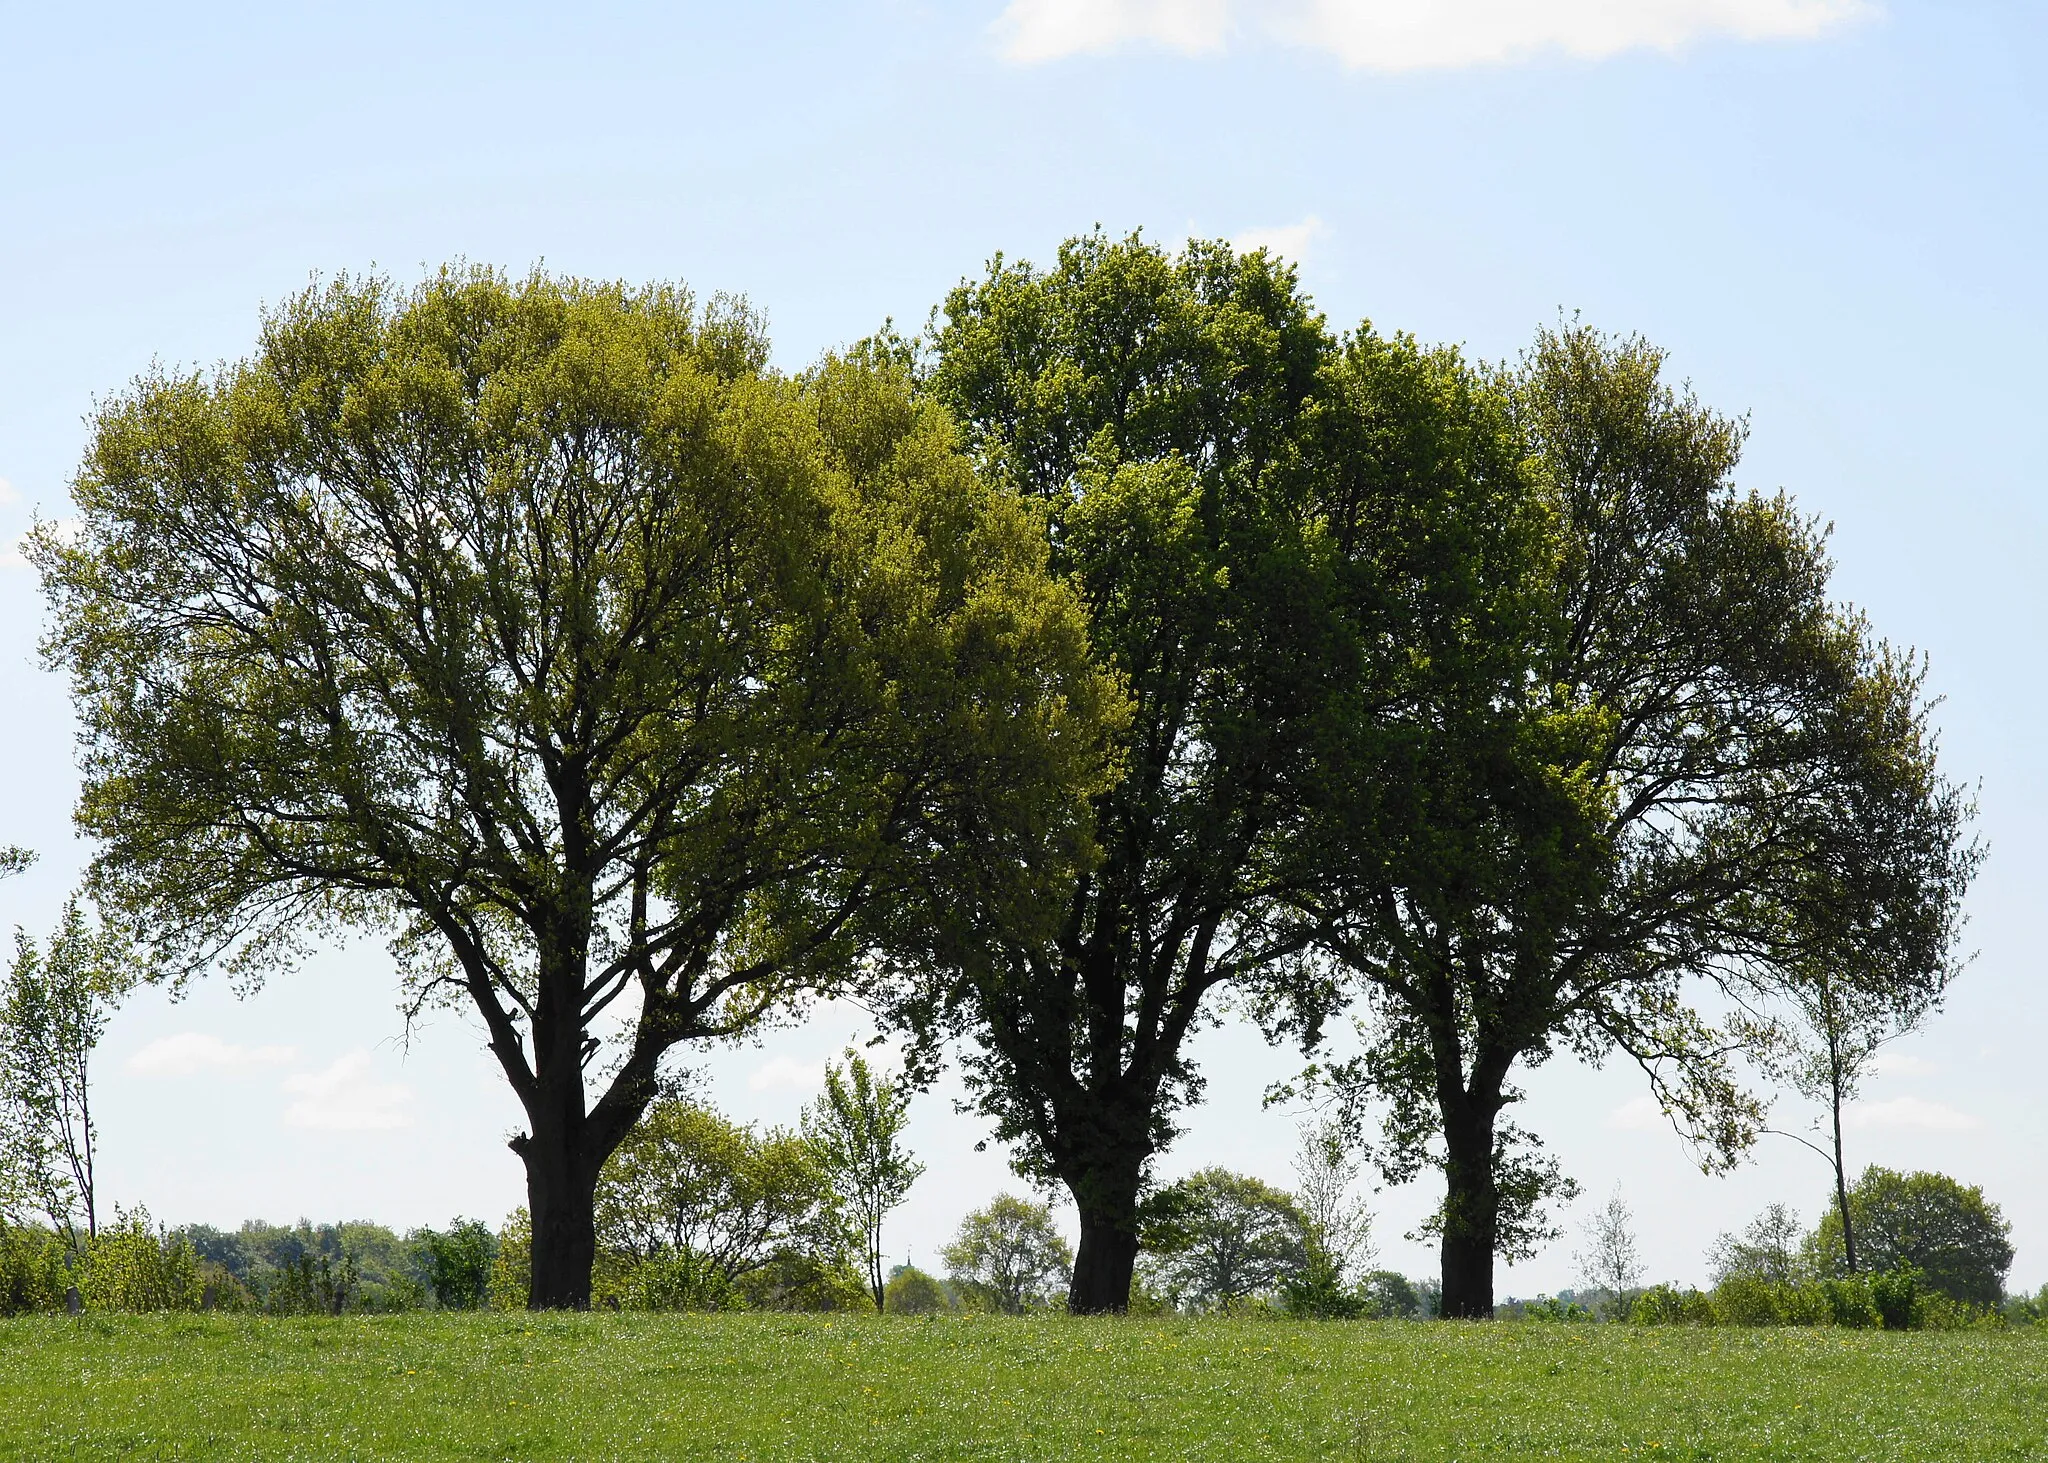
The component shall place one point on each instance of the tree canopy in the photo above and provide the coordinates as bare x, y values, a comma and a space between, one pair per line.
1949, 1232
1153, 405
538, 626
1627, 758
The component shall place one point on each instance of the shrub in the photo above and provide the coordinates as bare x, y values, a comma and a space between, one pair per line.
1748, 1300
131, 1267
1849, 1302
1896, 1295
911, 1292
1667, 1305
32, 1274
796, 1281
512, 1266
1319, 1293
456, 1263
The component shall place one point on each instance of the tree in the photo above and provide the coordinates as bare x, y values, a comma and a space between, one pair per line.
1632, 728
1009, 1255
457, 1263
627, 686
1391, 1296
1952, 1235
1874, 961
54, 1009
712, 1198
1609, 1263
1766, 1250
13, 860
911, 1292
1339, 1225
1151, 404
855, 1129
1218, 1237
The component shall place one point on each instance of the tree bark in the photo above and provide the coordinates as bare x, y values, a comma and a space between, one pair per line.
1104, 1263
1841, 1175
1471, 1216
561, 1190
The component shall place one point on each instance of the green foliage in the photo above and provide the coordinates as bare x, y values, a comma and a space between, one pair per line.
1768, 1249
132, 1266
911, 1292
855, 1130
55, 1002
1317, 1291
32, 1270
1217, 1238
707, 1202
716, 677
457, 1263
1155, 406
1632, 727
1896, 1295
1947, 1233
512, 1266
1009, 1257
1390, 1296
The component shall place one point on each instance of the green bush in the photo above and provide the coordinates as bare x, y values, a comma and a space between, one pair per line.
1896, 1296
911, 1292
456, 1263
512, 1266
32, 1274
1318, 1291
1749, 1300
1667, 1305
1849, 1302
130, 1267
795, 1281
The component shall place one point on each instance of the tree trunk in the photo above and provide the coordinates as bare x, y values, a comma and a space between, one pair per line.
1842, 1188
1471, 1217
1104, 1263
561, 1194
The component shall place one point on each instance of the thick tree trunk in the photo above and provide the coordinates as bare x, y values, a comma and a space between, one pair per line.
1103, 1264
1471, 1217
561, 1189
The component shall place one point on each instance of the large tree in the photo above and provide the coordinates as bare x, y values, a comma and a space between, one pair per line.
632, 689
1625, 763
1153, 404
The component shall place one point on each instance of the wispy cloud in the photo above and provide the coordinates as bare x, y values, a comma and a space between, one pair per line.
787, 1072
1411, 35
1898, 1064
1639, 1115
1910, 1112
1289, 241
346, 1097
191, 1052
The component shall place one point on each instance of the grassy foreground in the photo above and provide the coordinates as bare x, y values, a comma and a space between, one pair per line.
759, 1388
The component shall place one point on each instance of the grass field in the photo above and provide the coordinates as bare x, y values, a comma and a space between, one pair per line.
764, 1388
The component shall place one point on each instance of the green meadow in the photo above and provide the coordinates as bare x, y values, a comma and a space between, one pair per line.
759, 1388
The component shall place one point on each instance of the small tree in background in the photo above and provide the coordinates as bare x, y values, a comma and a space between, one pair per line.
1951, 1234
1009, 1255
713, 1200
911, 1292
1767, 1250
1610, 1263
855, 1129
54, 1008
1340, 1225
1218, 1237
456, 1263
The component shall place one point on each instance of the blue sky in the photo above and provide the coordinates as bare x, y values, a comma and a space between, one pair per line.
1830, 212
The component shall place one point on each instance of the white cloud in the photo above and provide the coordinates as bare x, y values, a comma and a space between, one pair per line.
9, 494
346, 1098
191, 1052
1045, 30
1289, 241
1909, 1112
787, 1072
1409, 35
1898, 1064
1639, 1115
